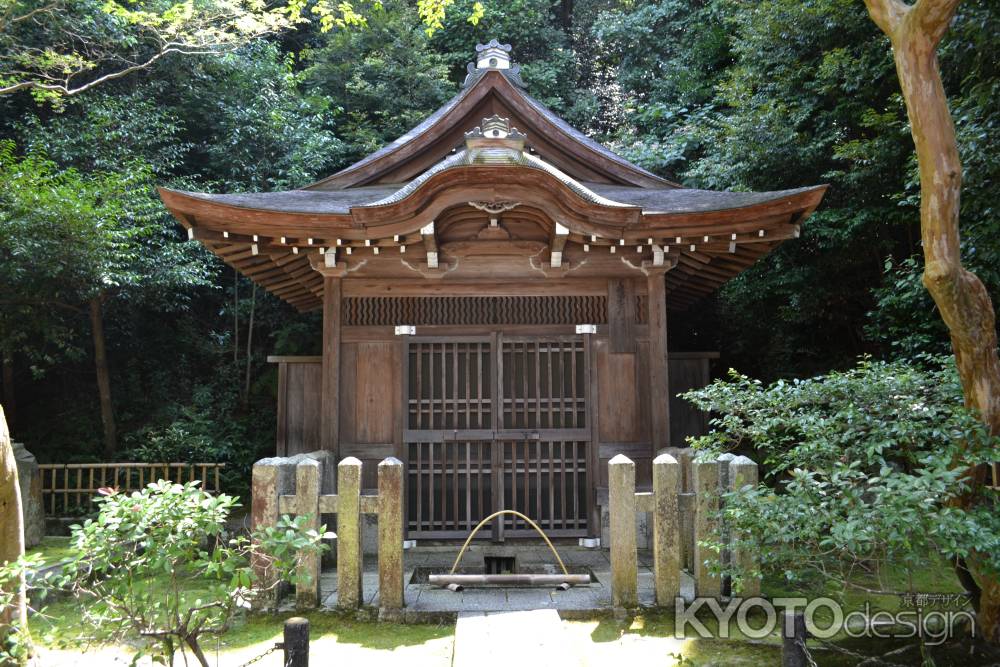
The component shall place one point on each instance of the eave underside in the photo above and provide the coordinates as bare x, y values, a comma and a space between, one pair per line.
701, 255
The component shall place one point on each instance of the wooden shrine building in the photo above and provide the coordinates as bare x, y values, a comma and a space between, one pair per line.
495, 288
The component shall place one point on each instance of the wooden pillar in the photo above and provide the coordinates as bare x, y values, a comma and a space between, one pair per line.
666, 529
659, 386
390, 534
349, 558
621, 316
296, 645
307, 505
330, 408
793, 640
621, 505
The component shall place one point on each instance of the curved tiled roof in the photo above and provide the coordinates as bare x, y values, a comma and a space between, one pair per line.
650, 200
513, 77
275, 238
498, 156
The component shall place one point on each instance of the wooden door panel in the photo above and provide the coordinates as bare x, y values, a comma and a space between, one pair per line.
499, 423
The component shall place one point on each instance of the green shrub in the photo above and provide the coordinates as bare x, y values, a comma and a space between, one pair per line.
157, 565
864, 469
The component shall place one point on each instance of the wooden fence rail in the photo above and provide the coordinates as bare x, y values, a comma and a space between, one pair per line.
69, 488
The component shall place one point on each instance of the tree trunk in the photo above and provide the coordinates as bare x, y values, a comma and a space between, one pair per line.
11, 531
566, 15
192, 641
246, 382
915, 32
9, 402
103, 379
236, 317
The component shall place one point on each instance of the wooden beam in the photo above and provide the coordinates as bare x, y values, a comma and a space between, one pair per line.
430, 243
330, 408
621, 316
659, 386
558, 243
657, 255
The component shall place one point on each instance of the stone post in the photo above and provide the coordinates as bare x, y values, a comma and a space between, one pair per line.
743, 472
794, 652
666, 529
307, 474
621, 505
349, 587
30, 479
264, 480
705, 476
390, 534
725, 556
686, 458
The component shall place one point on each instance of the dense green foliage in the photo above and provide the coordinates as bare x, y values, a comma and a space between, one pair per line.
158, 565
861, 474
716, 93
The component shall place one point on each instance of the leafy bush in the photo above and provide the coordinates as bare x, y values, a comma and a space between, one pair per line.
866, 468
157, 564
15, 642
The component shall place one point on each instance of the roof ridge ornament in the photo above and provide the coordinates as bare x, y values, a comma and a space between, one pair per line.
495, 131
495, 127
493, 56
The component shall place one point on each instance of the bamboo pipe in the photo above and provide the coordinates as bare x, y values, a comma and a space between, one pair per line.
447, 580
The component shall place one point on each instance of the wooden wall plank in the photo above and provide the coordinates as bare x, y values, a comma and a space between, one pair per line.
617, 404
621, 315
376, 380
299, 401
685, 419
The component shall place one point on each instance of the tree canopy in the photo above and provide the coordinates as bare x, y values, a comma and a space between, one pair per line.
717, 94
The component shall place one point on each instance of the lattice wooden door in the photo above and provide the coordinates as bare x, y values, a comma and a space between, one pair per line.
497, 423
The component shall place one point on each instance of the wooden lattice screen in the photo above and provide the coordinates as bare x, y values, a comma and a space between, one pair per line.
391, 310
497, 423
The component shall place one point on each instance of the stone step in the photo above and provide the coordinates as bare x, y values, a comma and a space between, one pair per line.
512, 639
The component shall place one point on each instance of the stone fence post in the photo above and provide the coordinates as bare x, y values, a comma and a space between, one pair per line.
307, 476
666, 529
390, 534
743, 472
349, 584
624, 561
270, 479
705, 478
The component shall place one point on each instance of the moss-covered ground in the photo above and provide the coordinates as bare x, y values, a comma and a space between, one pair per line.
647, 638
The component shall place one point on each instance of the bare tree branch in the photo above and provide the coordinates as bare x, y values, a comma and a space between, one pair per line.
66, 88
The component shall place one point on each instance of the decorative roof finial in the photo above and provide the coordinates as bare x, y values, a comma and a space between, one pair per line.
493, 55
495, 128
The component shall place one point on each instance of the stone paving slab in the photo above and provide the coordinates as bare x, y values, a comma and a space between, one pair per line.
424, 600
502, 639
